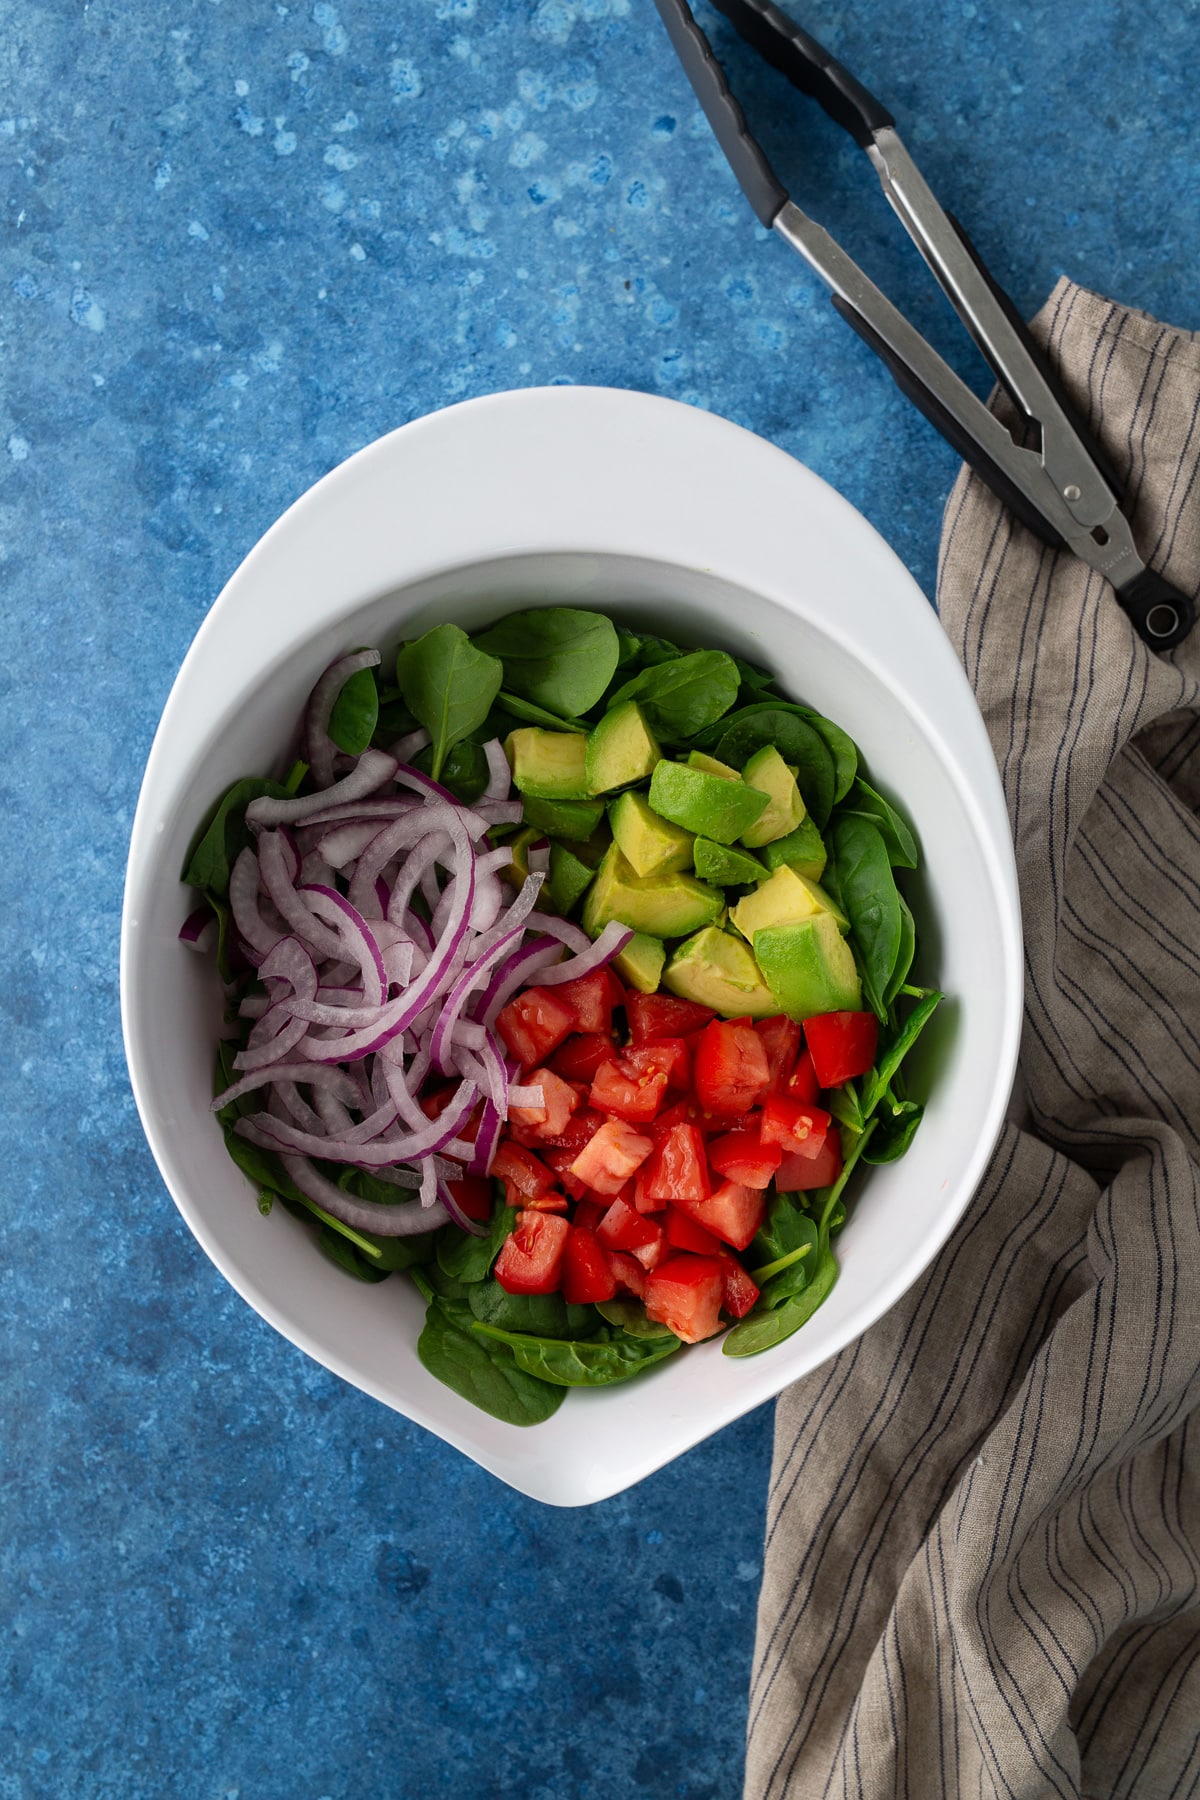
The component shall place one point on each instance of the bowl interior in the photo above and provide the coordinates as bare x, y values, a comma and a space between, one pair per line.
599, 1441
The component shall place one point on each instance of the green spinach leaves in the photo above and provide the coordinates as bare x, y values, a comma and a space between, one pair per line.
448, 684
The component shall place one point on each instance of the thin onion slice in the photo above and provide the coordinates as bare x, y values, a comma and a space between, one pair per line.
610, 943
319, 745
404, 1220
372, 770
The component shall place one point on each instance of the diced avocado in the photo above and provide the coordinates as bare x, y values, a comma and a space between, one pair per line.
640, 963
725, 865
709, 765
767, 771
663, 906
786, 899
716, 969
574, 819
518, 869
568, 878
801, 850
652, 845
593, 850
713, 806
620, 749
550, 765
809, 967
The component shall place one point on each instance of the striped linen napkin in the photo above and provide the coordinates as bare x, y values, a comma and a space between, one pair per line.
982, 1566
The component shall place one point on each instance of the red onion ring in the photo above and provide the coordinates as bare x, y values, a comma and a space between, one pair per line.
319, 746
404, 1220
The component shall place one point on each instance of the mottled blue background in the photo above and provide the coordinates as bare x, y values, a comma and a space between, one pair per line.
241, 240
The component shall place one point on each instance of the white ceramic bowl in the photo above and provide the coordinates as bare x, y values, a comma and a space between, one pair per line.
661, 515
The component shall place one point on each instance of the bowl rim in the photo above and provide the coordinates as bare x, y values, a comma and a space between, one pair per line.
746, 466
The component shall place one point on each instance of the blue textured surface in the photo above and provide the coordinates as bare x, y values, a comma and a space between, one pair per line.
241, 241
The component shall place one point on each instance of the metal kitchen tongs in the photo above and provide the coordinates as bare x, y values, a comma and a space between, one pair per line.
1062, 488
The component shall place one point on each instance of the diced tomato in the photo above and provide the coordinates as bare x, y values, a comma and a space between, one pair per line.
678, 1168
524, 1175
731, 1073
781, 1041
586, 1276
434, 1105
472, 1194
685, 1294
742, 1156
680, 1112
644, 1201
591, 998
670, 1054
797, 1174
531, 1259
624, 1228
588, 1212
551, 1202
686, 1234
628, 1092
627, 1271
559, 1102
740, 1291
612, 1156
842, 1045
793, 1126
733, 1213
560, 1161
802, 1083
580, 1057
661, 1015
581, 1128
535, 1023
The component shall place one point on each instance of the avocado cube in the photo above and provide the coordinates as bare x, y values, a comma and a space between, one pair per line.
785, 899
567, 880
640, 963
621, 749
767, 771
713, 806
662, 906
550, 765
809, 967
709, 765
574, 819
716, 969
725, 865
802, 850
652, 845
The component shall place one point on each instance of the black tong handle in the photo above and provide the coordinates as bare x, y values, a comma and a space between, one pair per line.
808, 66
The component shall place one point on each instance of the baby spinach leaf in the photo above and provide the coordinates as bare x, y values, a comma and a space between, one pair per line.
629, 645
469, 1258
556, 656
841, 747
754, 680
394, 720
893, 1054
537, 715
355, 713
485, 1373
543, 1315
785, 1229
449, 685
905, 954
629, 1315
225, 834
341, 1251
761, 1330
901, 845
587, 1362
798, 742
895, 1130
871, 903
464, 772
684, 695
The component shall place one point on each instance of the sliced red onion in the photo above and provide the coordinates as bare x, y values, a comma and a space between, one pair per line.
344, 844
345, 918
316, 1075
272, 863
421, 783
499, 773
520, 910
487, 1141
244, 884
404, 1220
400, 834
532, 958
272, 1037
610, 943
405, 748
319, 746
539, 857
500, 812
199, 929
314, 871
446, 1198
372, 770
276, 1134
573, 936
355, 811
475, 976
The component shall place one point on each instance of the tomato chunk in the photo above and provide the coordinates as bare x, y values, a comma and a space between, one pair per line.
672, 1055
533, 1024
793, 1126
472, 1194
524, 1175
842, 1045
740, 1291
531, 1259
742, 1156
685, 1294
612, 1156
620, 1088
586, 1276
581, 1127
797, 1174
588, 1212
733, 1213
781, 1041
686, 1234
559, 1101
661, 1015
678, 1168
628, 1272
624, 1228
591, 998
730, 1072
560, 1161
802, 1083
580, 1057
